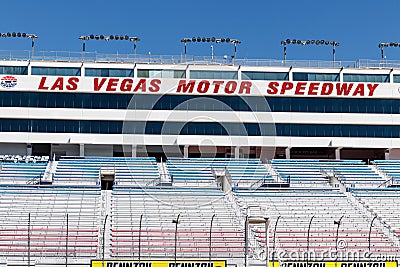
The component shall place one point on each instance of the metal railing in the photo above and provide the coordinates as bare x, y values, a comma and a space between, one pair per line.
68, 56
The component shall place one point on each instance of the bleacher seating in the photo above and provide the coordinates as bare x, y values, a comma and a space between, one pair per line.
159, 206
21, 172
296, 208
305, 171
195, 195
48, 207
391, 168
383, 202
243, 172
127, 171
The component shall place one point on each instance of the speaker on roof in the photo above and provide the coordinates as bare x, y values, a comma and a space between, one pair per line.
193, 39
198, 39
212, 39
208, 39
298, 41
19, 34
222, 40
203, 39
14, 34
126, 37
23, 34
227, 40
91, 36
8, 34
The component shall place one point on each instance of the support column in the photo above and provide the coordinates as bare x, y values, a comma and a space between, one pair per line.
81, 150
337, 153
134, 151
287, 152
186, 151
387, 153
237, 152
29, 149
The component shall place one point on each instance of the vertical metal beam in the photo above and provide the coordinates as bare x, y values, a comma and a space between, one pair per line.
66, 244
140, 234
273, 247
308, 238
369, 235
176, 236
104, 238
29, 239
246, 244
211, 225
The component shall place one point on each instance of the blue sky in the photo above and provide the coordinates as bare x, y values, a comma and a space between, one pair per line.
359, 26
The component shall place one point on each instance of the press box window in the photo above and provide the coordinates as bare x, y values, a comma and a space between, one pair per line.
15, 70
268, 76
303, 76
396, 78
376, 78
94, 72
52, 71
206, 74
175, 74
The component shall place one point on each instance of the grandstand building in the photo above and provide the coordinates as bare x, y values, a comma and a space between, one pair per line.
86, 107
264, 163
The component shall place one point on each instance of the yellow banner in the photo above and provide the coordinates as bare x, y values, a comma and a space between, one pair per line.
335, 264
166, 263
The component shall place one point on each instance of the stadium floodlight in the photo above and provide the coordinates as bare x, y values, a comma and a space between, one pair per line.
176, 222
384, 45
107, 38
227, 40
31, 36
308, 238
369, 235
273, 247
209, 247
334, 44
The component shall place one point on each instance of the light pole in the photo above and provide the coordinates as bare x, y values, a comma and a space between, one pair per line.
184, 41
273, 248
176, 221
369, 235
104, 238
308, 238
84, 39
140, 234
107, 38
235, 42
212, 53
32, 37
211, 225
23, 35
334, 44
